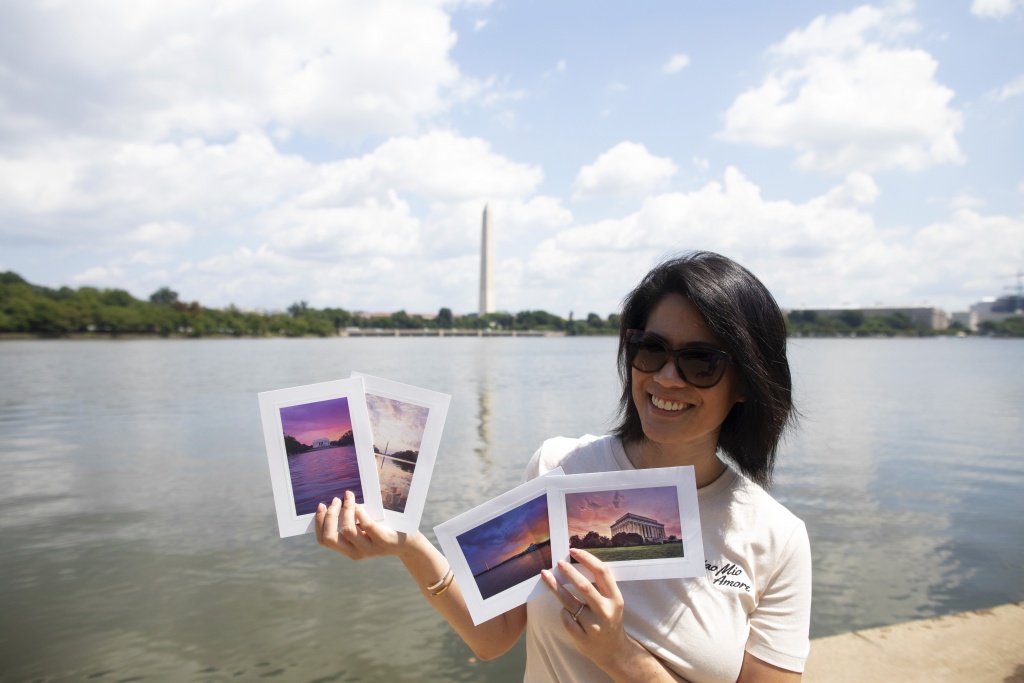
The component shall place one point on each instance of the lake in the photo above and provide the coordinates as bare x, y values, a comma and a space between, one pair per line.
322, 474
139, 536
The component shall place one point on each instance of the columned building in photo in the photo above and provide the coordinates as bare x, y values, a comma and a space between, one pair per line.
650, 529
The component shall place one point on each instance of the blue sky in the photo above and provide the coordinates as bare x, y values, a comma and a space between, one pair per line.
342, 152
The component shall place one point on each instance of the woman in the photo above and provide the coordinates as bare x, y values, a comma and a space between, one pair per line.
702, 358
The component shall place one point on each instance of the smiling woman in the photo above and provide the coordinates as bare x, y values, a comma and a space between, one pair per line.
719, 406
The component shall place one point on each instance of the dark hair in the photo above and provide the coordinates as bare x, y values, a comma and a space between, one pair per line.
741, 311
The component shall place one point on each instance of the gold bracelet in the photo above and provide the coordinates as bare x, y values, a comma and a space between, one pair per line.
446, 583
436, 586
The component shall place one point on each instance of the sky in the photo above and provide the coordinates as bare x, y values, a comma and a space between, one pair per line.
396, 425
598, 510
341, 153
319, 420
506, 535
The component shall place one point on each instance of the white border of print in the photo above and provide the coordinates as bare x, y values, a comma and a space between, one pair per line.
692, 564
289, 523
437, 403
479, 608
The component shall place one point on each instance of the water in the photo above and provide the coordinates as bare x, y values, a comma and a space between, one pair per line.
513, 572
139, 538
321, 475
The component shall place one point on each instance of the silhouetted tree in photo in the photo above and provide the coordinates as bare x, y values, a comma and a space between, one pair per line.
625, 540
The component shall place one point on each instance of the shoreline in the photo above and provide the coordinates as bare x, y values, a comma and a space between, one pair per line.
533, 334
983, 646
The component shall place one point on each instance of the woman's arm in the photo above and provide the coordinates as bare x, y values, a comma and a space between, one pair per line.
757, 671
596, 624
360, 537
597, 629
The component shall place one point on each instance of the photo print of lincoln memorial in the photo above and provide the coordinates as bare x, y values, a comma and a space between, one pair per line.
625, 524
652, 530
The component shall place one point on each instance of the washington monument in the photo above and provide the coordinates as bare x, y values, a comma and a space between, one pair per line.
486, 266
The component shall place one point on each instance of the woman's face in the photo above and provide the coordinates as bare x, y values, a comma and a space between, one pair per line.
672, 412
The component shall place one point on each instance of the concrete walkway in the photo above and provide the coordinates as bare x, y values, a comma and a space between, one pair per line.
982, 647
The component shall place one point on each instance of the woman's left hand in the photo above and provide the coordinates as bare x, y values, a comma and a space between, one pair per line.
596, 623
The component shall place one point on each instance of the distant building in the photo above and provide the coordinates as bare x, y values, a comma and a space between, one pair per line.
651, 529
989, 310
321, 443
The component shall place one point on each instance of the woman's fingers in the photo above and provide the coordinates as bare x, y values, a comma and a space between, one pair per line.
581, 583
603, 578
568, 600
349, 529
327, 523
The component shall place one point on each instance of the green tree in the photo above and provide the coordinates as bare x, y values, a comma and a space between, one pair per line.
165, 296
444, 319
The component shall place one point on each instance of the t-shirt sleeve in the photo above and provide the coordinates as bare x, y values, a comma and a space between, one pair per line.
780, 624
533, 467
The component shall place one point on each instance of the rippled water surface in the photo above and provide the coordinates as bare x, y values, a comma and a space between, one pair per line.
139, 540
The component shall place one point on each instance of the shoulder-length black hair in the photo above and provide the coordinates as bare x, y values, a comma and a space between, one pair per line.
741, 311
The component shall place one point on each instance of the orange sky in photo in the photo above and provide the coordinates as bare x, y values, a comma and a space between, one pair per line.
597, 510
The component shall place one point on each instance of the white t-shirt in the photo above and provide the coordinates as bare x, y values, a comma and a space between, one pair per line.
755, 597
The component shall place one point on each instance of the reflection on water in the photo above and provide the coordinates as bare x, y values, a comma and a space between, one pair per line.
319, 476
139, 535
395, 481
513, 572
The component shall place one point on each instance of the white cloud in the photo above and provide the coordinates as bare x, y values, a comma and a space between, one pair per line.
1011, 89
625, 169
143, 69
821, 252
479, 24
859, 189
995, 9
159, 233
99, 276
267, 228
966, 201
439, 166
846, 98
675, 64
76, 189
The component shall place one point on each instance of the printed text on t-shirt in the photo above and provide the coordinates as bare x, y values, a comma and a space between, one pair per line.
725, 575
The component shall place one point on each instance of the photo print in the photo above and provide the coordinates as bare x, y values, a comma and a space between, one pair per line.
644, 523
405, 425
318, 446
497, 550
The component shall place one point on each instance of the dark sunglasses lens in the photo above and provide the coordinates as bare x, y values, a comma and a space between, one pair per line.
701, 368
649, 358
648, 354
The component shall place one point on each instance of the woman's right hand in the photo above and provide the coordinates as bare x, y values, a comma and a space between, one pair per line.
357, 537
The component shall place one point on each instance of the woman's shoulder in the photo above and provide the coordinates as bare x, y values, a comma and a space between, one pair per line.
752, 507
578, 455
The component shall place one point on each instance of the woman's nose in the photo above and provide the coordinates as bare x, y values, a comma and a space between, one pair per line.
668, 374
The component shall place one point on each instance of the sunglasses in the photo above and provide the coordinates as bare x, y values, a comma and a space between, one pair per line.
702, 368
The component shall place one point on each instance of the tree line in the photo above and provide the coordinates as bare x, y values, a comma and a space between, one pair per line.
623, 539
854, 323
33, 309
26, 308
